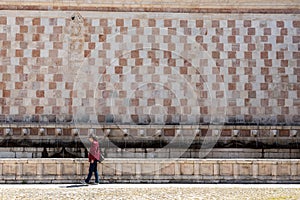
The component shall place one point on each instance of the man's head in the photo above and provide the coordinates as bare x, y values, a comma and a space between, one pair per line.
92, 137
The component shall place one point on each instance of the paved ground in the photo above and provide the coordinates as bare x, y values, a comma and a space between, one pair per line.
151, 191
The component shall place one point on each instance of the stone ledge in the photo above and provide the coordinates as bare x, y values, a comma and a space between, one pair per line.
153, 170
230, 6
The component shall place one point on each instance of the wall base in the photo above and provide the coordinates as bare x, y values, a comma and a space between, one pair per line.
152, 170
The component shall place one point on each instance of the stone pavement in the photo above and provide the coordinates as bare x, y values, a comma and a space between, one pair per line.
151, 191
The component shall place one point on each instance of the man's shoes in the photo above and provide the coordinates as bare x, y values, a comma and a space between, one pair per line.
84, 183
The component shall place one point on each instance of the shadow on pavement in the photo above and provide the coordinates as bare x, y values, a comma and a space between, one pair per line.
74, 186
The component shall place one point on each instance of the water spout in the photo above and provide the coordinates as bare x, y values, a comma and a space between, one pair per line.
293, 133
235, 133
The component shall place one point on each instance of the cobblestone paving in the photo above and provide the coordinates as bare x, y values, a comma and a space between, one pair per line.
107, 192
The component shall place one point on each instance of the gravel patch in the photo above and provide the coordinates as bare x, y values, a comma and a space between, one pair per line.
137, 192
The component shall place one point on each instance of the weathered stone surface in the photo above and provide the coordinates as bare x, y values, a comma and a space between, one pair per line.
50, 169
148, 169
119, 170
69, 169
167, 169
226, 169
164, 6
206, 169
265, 169
283, 169
109, 169
187, 169
245, 169
128, 169
9, 169
29, 169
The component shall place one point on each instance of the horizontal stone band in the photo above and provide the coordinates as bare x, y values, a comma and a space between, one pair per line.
232, 6
152, 170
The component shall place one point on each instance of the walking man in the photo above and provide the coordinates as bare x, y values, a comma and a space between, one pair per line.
94, 156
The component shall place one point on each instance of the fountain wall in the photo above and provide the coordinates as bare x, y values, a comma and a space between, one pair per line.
138, 72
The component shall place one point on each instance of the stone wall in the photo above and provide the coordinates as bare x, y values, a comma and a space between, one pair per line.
149, 67
162, 71
152, 171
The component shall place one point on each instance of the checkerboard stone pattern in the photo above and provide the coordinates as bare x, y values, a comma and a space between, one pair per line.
149, 68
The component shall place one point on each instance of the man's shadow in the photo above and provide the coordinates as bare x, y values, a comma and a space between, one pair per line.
75, 186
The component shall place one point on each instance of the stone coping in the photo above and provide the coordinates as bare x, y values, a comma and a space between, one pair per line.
150, 160
238, 6
134, 126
